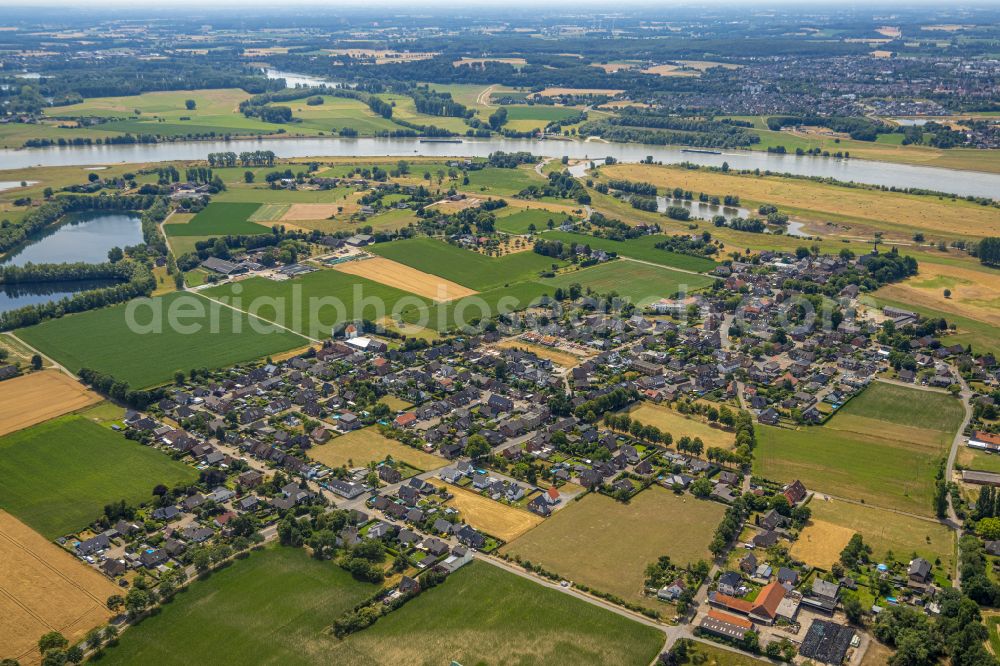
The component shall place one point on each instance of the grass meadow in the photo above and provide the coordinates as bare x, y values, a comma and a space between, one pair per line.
890, 211
520, 221
607, 545
220, 219
58, 475
146, 359
481, 614
642, 248
467, 268
294, 600
884, 531
485, 615
276, 299
640, 283
358, 448
882, 448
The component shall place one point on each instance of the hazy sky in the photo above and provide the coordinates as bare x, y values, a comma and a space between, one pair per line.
599, 6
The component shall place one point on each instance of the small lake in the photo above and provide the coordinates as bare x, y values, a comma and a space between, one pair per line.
13, 296
706, 211
11, 184
83, 237
293, 80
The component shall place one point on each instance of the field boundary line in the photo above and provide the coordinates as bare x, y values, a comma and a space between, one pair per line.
51, 360
882, 508
48, 566
267, 321
27, 610
667, 268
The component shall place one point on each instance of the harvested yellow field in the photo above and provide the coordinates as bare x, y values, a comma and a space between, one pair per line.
974, 293
702, 65
447, 206
888, 531
557, 356
43, 589
496, 519
944, 27
607, 544
881, 54
680, 425
401, 276
820, 543
886, 210
889, 31
309, 211
552, 92
40, 396
612, 67
519, 62
358, 448
669, 70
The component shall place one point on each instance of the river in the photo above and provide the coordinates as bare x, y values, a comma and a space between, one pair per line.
963, 183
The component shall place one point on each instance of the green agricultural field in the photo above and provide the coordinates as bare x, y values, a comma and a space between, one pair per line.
467, 268
58, 475
529, 117
481, 614
469, 309
145, 359
895, 404
261, 194
874, 468
502, 182
294, 600
520, 221
405, 109
981, 335
308, 304
485, 615
337, 113
220, 219
642, 248
640, 283
607, 545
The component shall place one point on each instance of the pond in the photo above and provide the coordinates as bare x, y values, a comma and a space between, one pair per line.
11, 184
293, 80
13, 296
702, 210
83, 237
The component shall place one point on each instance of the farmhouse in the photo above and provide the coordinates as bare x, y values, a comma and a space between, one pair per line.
763, 609
726, 625
222, 266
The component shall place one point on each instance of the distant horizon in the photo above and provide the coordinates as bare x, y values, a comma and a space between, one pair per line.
557, 5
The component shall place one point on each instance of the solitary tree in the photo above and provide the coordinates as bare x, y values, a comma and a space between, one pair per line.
190, 104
